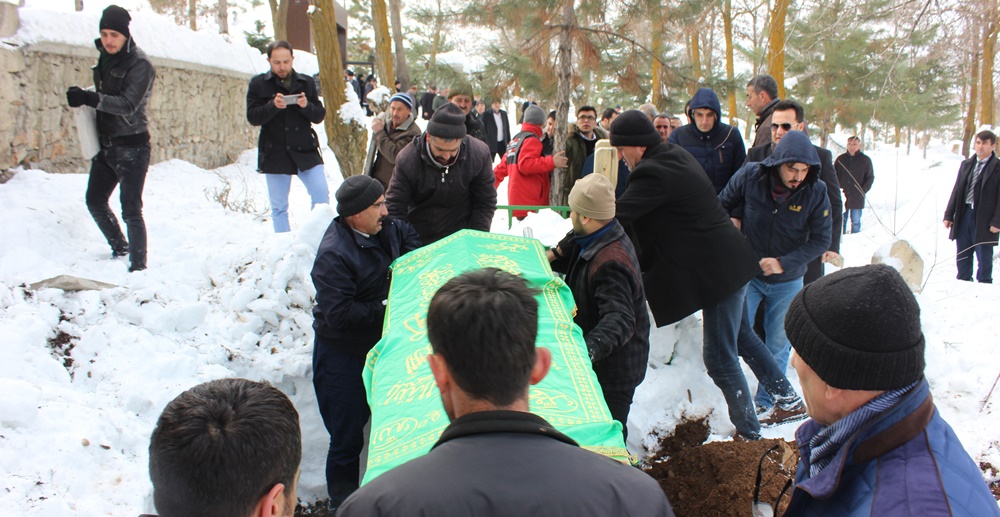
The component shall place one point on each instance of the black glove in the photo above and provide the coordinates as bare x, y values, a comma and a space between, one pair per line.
77, 97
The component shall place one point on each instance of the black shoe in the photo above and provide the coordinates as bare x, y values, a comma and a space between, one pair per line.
136, 267
119, 252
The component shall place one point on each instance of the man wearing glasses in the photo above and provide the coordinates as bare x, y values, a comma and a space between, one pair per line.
583, 137
790, 116
352, 283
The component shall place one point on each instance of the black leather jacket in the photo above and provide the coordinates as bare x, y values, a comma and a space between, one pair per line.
125, 89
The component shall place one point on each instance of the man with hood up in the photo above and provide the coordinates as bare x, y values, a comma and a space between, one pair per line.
718, 147
784, 212
391, 132
123, 78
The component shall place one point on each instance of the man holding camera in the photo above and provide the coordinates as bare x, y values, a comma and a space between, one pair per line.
285, 104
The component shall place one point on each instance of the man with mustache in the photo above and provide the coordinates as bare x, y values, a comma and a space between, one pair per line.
352, 284
784, 212
443, 181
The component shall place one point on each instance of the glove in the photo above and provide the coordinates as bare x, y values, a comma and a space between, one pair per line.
77, 97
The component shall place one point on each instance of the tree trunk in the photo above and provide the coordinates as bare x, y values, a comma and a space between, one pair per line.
402, 72
436, 38
776, 45
695, 63
222, 16
970, 115
565, 75
383, 44
656, 89
193, 14
279, 19
991, 26
727, 22
347, 139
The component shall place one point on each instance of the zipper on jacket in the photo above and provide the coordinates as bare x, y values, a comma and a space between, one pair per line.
445, 173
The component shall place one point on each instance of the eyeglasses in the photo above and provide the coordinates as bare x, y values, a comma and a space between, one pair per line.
379, 205
586, 117
784, 125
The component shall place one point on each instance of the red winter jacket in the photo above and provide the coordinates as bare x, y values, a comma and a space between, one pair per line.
529, 177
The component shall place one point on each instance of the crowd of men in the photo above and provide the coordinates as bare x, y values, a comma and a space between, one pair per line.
699, 223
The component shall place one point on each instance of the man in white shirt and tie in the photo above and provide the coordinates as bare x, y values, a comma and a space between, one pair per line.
973, 213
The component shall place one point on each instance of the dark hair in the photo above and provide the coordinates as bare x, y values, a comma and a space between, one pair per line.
764, 83
987, 135
586, 108
667, 116
852, 138
785, 105
220, 446
279, 44
484, 323
608, 113
552, 115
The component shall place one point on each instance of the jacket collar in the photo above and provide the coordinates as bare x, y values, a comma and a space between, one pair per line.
501, 421
882, 435
612, 232
269, 75
425, 153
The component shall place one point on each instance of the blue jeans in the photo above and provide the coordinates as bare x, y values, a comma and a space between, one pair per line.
854, 214
278, 186
776, 298
754, 352
721, 328
343, 404
965, 239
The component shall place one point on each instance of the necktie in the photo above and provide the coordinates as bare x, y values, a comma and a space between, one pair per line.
975, 177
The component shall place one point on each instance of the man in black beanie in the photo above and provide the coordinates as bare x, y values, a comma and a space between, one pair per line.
443, 180
123, 79
693, 258
352, 283
876, 445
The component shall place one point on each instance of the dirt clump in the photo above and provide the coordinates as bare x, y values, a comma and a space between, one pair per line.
319, 508
991, 472
718, 478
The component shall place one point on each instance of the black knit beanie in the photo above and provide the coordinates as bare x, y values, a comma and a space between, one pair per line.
633, 129
356, 194
115, 18
448, 122
859, 329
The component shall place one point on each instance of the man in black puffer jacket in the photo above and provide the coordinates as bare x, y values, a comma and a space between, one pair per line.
351, 275
718, 147
124, 81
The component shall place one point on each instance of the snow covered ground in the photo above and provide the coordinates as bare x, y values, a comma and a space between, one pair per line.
85, 375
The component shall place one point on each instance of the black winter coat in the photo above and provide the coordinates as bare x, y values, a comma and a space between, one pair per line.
474, 128
611, 305
720, 151
690, 253
351, 275
762, 126
828, 175
508, 463
440, 200
856, 178
795, 231
986, 199
124, 90
490, 126
287, 142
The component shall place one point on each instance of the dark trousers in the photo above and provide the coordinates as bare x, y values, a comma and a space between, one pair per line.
965, 239
343, 405
122, 166
814, 271
619, 404
499, 148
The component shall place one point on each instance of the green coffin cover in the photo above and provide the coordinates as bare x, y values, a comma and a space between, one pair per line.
407, 415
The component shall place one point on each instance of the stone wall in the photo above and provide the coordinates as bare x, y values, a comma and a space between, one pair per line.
196, 113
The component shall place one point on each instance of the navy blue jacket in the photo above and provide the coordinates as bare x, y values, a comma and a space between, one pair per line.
720, 151
795, 231
351, 275
907, 461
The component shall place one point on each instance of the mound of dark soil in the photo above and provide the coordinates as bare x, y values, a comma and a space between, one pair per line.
718, 478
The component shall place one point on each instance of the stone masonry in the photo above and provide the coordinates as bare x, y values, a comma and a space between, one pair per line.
196, 113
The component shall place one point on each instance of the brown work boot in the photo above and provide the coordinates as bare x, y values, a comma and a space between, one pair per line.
779, 415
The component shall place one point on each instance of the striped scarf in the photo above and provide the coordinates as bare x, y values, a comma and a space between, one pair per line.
830, 439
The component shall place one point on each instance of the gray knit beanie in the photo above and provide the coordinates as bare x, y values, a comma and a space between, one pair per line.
534, 115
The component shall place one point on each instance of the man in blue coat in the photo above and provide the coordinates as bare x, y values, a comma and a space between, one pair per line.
718, 147
783, 209
876, 445
351, 275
